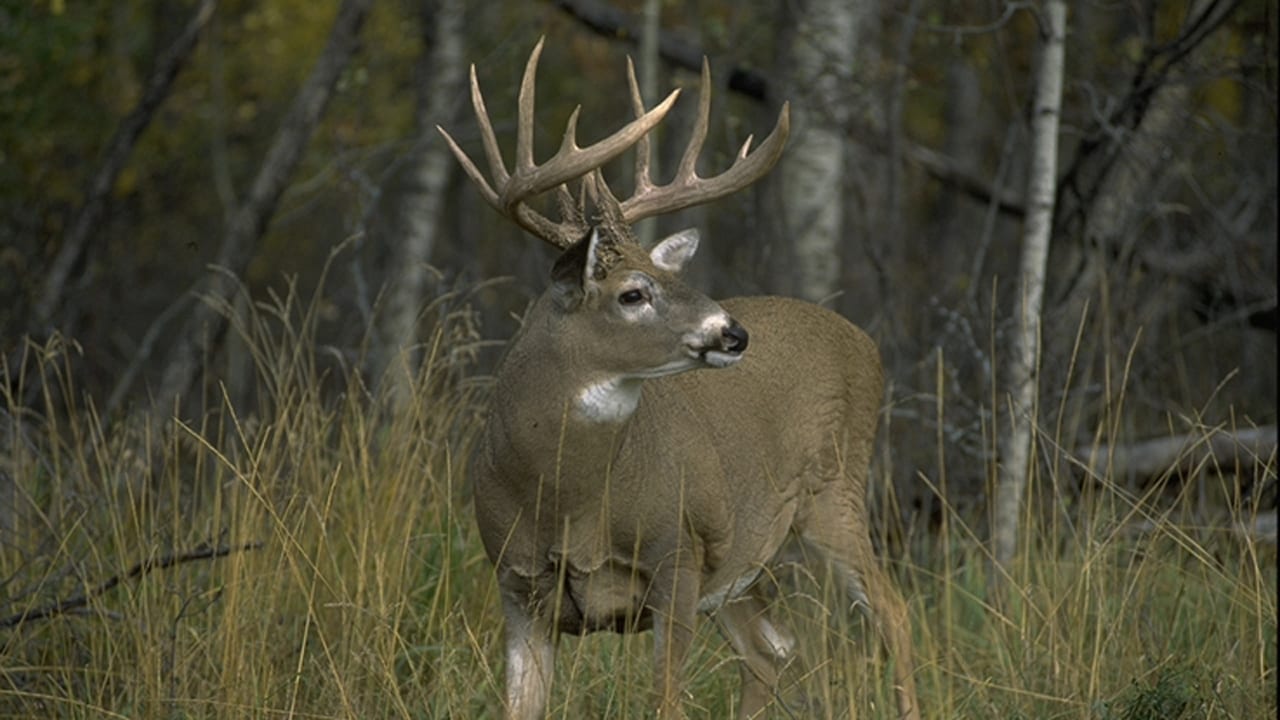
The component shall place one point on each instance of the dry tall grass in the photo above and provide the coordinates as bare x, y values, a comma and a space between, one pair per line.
370, 596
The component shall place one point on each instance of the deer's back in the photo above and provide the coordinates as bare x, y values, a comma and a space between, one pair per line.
808, 380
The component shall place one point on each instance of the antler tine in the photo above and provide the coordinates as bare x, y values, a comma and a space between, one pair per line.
643, 183
609, 209
687, 189
560, 234
524, 124
497, 168
689, 161
570, 161
472, 171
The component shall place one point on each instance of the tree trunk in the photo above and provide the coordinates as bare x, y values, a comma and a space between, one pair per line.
1113, 181
417, 226
1025, 358
650, 68
117, 154
823, 54
206, 325
1245, 449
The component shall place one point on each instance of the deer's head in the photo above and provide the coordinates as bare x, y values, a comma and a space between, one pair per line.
622, 309
640, 317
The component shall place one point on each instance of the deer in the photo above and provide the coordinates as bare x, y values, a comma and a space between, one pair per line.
648, 451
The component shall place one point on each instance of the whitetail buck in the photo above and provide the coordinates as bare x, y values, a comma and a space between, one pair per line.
617, 490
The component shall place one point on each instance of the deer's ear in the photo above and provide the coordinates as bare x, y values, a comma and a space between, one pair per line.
576, 269
675, 251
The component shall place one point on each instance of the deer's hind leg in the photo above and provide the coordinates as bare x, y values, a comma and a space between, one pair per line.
834, 523
762, 648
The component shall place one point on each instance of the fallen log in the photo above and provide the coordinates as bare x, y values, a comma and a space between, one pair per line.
1245, 450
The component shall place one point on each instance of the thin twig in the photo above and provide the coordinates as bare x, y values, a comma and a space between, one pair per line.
138, 571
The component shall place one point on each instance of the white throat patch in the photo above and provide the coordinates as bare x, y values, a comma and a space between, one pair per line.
608, 401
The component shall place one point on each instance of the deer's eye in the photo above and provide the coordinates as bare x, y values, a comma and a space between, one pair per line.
631, 297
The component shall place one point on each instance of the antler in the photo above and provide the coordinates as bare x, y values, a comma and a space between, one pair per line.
510, 191
686, 189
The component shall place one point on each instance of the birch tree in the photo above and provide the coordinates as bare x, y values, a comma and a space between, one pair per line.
650, 67
418, 210
823, 53
1024, 359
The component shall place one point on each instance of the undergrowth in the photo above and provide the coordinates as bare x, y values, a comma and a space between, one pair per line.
342, 576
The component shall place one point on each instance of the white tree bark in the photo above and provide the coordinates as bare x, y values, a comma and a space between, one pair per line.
1024, 359
823, 55
418, 207
650, 67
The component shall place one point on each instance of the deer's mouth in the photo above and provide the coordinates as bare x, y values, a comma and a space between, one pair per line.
720, 358
728, 350
727, 347
719, 343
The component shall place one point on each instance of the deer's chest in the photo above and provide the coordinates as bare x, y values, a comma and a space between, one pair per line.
607, 575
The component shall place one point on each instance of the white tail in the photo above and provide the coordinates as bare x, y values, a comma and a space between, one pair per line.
617, 490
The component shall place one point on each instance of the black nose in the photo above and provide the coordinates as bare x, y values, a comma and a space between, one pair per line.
735, 338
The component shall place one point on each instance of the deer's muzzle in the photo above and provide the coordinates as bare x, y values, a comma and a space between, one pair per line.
726, 347
735, 338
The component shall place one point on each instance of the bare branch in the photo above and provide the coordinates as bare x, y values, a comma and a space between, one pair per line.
948, 172
118, 150
1089, 168
138, 571
615, 24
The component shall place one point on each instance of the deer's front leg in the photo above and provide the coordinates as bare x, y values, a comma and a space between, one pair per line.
530, 659
674, 615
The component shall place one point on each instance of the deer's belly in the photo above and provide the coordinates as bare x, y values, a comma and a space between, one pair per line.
608, 597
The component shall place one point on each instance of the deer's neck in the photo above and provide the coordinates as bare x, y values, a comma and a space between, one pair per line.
565, 419
607, 401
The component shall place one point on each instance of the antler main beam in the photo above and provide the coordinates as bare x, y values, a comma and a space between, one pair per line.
508, 192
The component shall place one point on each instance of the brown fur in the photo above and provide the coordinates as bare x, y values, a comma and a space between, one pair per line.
615, 489
632, 524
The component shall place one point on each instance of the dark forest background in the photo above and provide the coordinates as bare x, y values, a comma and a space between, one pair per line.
163, 168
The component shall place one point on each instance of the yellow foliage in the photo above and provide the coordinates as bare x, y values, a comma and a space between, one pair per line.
127, 182
1225, 97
